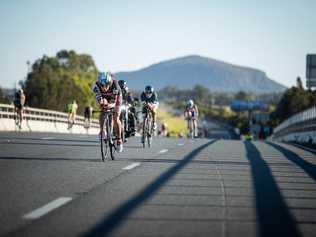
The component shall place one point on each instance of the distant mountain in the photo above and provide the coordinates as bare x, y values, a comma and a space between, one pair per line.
186, 72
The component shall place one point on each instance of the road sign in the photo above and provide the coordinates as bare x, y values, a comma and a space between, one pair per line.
246, 105
311, 70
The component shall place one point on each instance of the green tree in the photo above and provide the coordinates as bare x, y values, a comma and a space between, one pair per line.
241, 95
3, 97
54, 81
293, 101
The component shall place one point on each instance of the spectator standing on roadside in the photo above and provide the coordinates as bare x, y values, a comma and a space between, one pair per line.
87, 115
72, 111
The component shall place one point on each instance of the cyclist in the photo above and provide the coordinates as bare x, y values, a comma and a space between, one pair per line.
19, 101
127, 109
109, 95
191, 112
149, 98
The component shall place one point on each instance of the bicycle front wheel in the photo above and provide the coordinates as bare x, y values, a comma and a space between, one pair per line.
104, 147
110, 137
145, 131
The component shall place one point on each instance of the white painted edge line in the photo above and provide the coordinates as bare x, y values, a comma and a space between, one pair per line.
47, 138
163, 151
304, 147
131, 166
47, 208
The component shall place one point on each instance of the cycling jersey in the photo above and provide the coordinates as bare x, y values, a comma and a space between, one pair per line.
19, 100
192, 110
153, 99
112, 95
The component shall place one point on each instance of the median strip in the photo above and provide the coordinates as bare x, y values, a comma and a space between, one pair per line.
47, 208
131, 166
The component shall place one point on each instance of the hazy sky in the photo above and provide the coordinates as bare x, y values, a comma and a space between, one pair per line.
271, 35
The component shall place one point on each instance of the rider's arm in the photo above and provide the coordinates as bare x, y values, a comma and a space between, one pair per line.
97, 91
196, 110
22, 99
155, 98
143, 97
117, 93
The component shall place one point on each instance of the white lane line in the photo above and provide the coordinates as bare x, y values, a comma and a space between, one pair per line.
47, 208
47, 138
131, 166
304, 147
163, 151
181, 144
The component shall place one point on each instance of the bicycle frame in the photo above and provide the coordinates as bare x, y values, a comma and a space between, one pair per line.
147, 127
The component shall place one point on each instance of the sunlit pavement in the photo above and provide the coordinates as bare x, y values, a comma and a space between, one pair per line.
56, 185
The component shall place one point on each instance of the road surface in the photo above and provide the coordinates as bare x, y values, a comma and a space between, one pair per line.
56, 185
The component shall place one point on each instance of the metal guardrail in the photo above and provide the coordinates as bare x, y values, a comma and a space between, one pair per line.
7, 111
302, 122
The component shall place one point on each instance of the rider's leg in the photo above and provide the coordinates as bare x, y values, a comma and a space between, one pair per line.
20, 114
154, 115
101, 121
118, 125
195, 127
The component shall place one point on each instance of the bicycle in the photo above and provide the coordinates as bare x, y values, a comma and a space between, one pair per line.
147, 127
124, 121
191, 128
107, 142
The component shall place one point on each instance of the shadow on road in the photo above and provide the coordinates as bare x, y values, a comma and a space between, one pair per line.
49, 144
273, 214
308, 167
113, 220
49, 159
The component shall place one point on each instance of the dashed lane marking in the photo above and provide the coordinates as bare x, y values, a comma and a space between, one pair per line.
131, 166
181, 144
47, 138
163, 151
47, 208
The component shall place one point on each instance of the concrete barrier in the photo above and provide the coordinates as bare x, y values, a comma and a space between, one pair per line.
39, 120
300, 128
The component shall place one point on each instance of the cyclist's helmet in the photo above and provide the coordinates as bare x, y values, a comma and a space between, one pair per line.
190, 103
149, 89
104, 78
122, 84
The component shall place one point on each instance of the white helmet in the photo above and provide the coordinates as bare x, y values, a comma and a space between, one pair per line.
190, 103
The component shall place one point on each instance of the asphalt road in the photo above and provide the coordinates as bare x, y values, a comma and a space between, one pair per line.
56, 185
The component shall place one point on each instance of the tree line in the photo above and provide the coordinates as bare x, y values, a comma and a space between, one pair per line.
55, 81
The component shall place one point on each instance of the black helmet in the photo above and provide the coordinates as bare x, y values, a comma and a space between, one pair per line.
122, 84
149, 89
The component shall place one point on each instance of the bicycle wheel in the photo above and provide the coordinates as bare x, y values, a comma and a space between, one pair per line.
145, 131
191, 132
149, 131
104, 145
123, 129
110, 137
